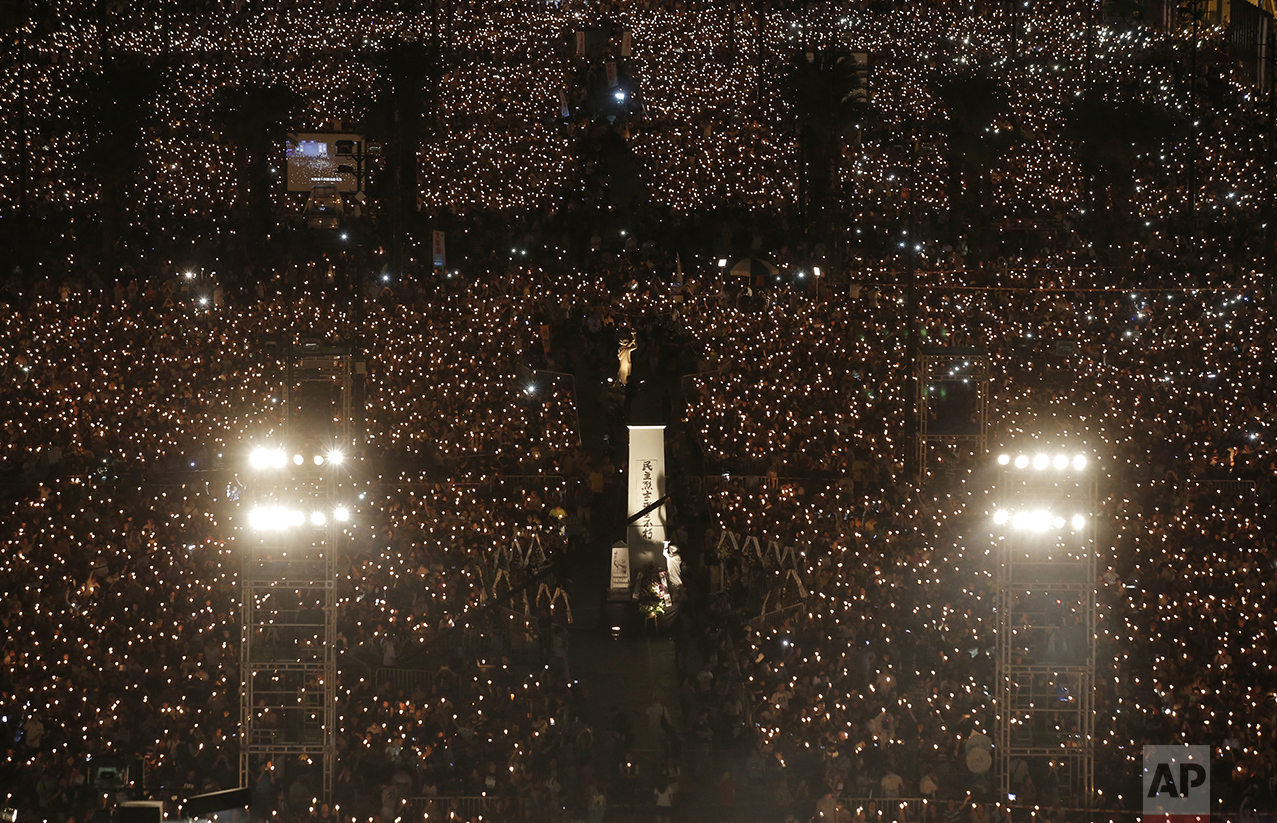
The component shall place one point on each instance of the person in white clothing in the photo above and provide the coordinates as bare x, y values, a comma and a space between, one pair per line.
673, 566
664, 802
33, 732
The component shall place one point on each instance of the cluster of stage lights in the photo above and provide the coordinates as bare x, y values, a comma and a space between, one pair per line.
1038, 520
282, 518
1041, 520
1042, 462
262, 459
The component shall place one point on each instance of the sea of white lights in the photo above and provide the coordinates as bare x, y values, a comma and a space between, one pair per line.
797, 390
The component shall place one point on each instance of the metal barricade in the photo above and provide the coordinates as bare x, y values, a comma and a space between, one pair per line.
1236, 488
406, 679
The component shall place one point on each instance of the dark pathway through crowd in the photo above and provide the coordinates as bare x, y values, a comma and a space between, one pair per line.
647, 694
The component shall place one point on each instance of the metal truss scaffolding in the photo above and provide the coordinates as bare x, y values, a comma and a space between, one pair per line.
1046, 557
952, 401
288, 665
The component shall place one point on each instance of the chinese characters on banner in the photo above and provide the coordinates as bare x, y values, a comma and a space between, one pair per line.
646, 486
620, 577
441, 257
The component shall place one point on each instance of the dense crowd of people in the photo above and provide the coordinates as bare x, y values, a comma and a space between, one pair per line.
546, 109
899, 626
598, 169
122, 630
877, 656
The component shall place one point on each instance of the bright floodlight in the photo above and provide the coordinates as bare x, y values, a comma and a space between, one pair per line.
1003, 459
1035, 521
318, 518
1079, 462
1061, 461
1038, 520
341, 514
1040, 461
273, 518
258, 518
263, 458
319, 460
335, 457
298, 460
1021, 461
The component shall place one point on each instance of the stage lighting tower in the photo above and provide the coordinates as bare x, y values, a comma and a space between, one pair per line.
1044, 527
294, 525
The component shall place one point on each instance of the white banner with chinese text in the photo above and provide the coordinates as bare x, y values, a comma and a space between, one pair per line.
646, 486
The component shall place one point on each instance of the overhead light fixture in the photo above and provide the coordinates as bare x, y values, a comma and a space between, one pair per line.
317, 518
319, 460
335, 457
1021, 461
1004, 459
298, 459
1079, 462
341, 514
1041, 461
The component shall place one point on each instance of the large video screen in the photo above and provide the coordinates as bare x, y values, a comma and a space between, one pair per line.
312, 161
